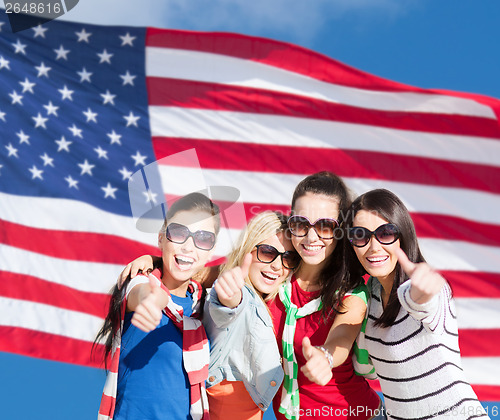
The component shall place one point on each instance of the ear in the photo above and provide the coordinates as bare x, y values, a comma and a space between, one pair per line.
161, 236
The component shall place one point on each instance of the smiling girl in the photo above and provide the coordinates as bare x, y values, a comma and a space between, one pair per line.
245, 364
148, 330
318, 314
412, 333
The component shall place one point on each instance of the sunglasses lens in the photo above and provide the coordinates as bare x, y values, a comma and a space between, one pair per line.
177, 233
299, 226
387, 234
267, 253
204, 239
291, 259
325, 228
359, 236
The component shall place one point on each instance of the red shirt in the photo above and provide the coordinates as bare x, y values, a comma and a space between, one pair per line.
347, 395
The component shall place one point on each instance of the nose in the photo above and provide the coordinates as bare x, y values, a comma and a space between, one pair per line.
277, 264
312, 235
374, 244
188, 245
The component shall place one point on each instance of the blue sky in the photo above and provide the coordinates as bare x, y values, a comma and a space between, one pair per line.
445, 44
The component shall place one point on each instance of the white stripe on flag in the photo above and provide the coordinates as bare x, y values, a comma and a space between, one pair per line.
49, 319
482, 370
289, 131
218, 68
478, 313
84, 276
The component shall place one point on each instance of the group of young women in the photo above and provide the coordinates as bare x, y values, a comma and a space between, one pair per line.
288, 319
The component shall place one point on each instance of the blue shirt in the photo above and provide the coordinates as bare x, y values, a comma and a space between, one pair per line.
152, 382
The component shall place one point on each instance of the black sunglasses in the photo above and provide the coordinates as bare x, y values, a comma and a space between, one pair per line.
268, 253
386, 234
300, 225
179, 234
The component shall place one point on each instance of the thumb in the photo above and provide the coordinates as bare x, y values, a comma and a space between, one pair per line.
307, 348
153, 283
245, 266
407, 266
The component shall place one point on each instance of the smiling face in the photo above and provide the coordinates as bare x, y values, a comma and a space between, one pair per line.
378, 260
183, 261
314, 250
266, 278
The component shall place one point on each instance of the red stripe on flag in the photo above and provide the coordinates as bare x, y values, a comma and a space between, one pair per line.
488, 393
82, 246
479, 343
20, 286
49, 346
251, 157
473, 283
211, 96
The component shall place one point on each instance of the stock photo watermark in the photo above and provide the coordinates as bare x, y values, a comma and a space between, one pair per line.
26, 14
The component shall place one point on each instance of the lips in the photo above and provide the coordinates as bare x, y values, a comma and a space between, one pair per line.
312, 249
269, 278
183, 262
377, 260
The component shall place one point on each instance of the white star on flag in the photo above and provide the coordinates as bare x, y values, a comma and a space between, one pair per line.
127, 39
85, 75
126, 174
4, 64
19, 48
63, 144
114, 137
128, 79
101, 153
51, 109
77, 132
139, 159
131, 119
16, 98
12, 150
66, 93
40, 121
91, 116
35, 172
86, 167
108, 98
83, 35
43, 70
23, 138
109, 191
105, 57
47, 160
62, 53
39, 31
72, 183
27, 85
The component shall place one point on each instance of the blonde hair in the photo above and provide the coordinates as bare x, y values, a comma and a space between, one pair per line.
259, 228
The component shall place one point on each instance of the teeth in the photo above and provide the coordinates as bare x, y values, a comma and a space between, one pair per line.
377, 259
184, 260
313, 247
270, 276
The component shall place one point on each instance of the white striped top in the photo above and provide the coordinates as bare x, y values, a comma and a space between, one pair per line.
417, 359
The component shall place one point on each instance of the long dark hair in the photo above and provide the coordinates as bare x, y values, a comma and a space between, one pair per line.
190, 202
389, 207
332, 278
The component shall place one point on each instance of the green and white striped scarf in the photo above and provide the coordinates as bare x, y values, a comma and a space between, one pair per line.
290, 396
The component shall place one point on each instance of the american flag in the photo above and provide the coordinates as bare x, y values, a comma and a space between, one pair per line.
83, 107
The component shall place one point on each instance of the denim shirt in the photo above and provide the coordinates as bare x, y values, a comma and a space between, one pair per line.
243, 346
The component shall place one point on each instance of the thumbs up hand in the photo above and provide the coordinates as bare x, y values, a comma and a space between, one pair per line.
229, 284
317, 369
147, 315
425, 281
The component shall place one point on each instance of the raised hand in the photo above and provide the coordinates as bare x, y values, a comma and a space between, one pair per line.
148, 313
143, 264
425, 281
230, 283
317, 369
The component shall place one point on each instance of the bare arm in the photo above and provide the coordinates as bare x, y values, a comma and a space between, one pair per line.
147, 301
143, 264
338, 343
